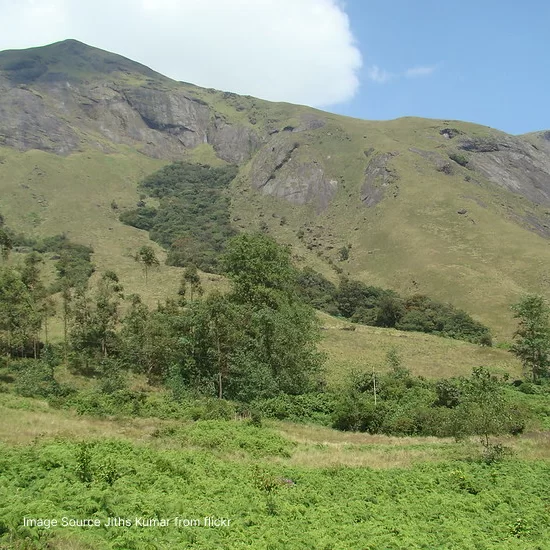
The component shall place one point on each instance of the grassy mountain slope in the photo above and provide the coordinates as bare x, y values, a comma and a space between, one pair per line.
80, 127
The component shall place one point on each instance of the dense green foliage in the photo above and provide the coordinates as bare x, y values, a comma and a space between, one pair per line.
26, 304
192, 220
398, 403
257, 341
446, 505
532, 338
370, 305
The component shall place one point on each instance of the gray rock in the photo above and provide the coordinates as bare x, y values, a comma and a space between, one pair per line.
233, 143
378, 177
278, 170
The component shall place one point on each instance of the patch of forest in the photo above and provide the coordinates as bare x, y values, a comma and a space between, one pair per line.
192, 220
379, 307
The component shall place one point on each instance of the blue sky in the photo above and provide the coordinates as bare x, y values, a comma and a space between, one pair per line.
490, 61
483, 61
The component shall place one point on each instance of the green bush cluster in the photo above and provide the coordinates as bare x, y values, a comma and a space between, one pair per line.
397, 403
35, 378
309, 407
375, 306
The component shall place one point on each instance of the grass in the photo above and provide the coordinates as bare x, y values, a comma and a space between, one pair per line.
282, 485
425, 355
28, 421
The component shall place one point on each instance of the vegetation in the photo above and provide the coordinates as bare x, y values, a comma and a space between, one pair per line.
375, 306
256, 346
192, 220
278, 505
532, 338
119, 413
147, 257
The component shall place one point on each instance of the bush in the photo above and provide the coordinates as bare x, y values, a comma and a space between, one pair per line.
35, 378
459, 158
310, 407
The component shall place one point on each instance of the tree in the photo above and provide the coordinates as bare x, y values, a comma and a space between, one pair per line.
532, 337
5, 244
93, 335
16, 312
276, 349
30, 275
192, 278
484, 409
146, 256
223, 320
260, 269
149, 339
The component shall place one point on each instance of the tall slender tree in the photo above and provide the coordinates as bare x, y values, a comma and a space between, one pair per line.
532, 337
192, 279
147, 257
6, 245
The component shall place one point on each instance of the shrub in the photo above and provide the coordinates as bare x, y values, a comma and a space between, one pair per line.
35, 378
459, 158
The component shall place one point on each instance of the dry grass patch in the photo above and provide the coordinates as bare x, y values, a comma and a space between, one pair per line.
26, 420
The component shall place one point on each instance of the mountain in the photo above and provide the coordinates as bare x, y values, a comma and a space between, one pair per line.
451, 209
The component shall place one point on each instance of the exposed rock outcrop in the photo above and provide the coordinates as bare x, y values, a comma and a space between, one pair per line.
378, 177
513, 163
233, 143
172, 112
26, 122
278, 169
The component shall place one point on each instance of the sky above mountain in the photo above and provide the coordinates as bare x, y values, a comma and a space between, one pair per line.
484, 62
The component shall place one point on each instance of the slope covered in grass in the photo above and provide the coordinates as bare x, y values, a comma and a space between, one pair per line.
449, 209
358, 348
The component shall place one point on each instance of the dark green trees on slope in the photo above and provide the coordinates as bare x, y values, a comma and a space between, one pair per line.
192, 221
370, 305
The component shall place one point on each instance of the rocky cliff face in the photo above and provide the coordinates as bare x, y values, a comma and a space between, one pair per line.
514, 163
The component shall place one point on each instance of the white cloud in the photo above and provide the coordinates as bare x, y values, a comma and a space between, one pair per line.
301, 51
378, 75
415, 72
381, 76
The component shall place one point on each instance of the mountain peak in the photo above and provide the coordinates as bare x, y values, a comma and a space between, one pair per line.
66, 60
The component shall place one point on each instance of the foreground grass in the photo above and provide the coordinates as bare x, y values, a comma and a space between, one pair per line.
283, 486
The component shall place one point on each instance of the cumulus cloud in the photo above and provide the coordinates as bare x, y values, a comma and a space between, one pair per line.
301, 51
415, 72
378, 75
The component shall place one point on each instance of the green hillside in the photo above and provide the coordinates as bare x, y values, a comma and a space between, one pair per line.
417, 220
